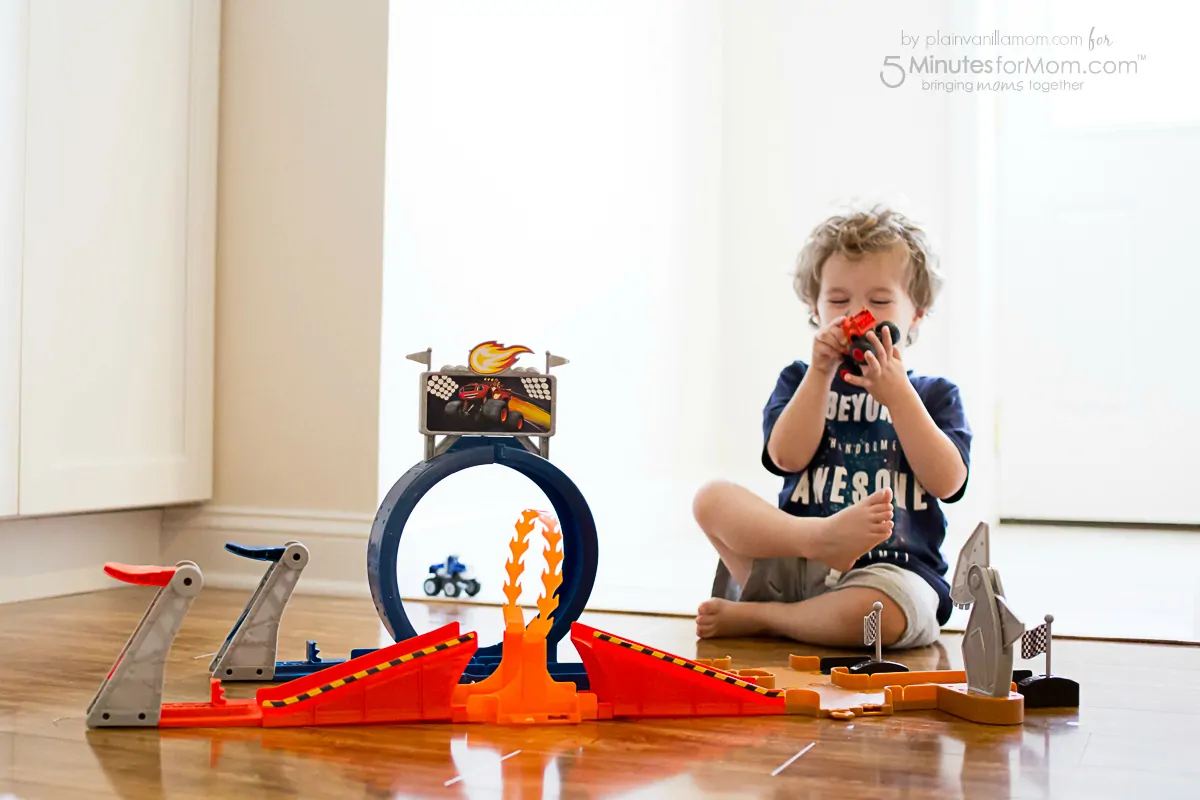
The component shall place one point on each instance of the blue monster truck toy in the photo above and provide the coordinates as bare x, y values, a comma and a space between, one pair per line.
451, 577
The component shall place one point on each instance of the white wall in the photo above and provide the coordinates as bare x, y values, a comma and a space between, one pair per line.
554, 181
671, 164
809, 125
1092, 186
299, 265
658, 164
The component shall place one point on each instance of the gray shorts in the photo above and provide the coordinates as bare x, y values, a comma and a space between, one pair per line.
790, 580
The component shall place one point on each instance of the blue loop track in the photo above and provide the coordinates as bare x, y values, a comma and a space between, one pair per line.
580, 547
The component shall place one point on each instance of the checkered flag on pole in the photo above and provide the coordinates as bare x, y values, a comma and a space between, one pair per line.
1033, 641
1037, 641
871, 630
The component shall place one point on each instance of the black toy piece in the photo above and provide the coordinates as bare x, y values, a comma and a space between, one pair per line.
871, 667
1049, 691
829, 662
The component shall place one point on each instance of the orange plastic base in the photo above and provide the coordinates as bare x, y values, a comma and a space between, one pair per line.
960, 702
521, 691
840, 676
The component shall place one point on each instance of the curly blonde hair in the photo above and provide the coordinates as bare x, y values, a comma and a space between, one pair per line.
874, 230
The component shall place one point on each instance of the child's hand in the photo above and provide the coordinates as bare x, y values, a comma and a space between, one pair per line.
884, 375
829, 345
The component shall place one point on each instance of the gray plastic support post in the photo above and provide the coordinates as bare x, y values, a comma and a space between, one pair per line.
992, 628
248, 653
991, 631
131, 695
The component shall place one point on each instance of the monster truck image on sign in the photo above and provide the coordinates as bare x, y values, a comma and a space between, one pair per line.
489, 401
458, 403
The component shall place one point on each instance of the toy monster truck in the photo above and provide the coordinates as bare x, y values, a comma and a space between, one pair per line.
452, 577
488, 401
856, 328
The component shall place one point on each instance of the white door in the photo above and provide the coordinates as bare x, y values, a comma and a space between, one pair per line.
14, 23
116, 390
1096, 271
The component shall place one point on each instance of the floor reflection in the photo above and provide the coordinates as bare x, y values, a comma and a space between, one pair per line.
765, 756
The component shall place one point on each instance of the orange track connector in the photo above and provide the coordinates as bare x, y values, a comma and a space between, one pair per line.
840, 676
633, 680
521, 691
941, 690
410, 681
218, 713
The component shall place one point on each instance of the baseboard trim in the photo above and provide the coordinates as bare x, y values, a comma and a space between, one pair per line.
336, 541
57, 556
332, 524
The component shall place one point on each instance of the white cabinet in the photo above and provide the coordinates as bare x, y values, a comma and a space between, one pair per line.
116, 248
13, 26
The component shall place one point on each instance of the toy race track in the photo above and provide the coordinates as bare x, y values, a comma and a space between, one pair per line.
421, 679
444, 675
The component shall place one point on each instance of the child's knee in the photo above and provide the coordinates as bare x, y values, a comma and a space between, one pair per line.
708, 501
895, 622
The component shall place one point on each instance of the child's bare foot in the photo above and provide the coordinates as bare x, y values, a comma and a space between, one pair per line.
842, 538
719, 619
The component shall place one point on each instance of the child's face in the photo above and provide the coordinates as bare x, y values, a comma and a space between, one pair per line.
876, 281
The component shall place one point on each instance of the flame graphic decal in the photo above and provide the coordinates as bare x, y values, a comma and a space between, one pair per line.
489, 358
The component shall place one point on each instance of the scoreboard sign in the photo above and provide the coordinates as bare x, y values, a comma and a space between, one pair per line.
466, 403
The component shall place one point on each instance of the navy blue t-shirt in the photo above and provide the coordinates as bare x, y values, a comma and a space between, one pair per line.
861, 453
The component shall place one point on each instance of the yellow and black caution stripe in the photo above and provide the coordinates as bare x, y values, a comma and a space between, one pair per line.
689, 665
404, 659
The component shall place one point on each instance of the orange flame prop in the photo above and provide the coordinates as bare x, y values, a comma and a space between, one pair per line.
551, 578
520, 689
488, 358
514, 567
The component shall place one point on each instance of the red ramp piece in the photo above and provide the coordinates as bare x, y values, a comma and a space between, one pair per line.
410, 681
634, 680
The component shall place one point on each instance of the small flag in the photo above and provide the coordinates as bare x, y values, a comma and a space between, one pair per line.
871, 627
1033, 641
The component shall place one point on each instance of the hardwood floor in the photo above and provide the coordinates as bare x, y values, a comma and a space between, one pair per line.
1134, 735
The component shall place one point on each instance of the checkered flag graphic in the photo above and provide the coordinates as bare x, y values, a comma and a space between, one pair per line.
1033, 641
442, 386
871, 627
537, 388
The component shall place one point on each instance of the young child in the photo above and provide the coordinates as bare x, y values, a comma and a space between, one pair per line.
865, 462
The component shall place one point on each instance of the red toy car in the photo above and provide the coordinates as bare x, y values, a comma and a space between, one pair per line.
486, 401
856, 329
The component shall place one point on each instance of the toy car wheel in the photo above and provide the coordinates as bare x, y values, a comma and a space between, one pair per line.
516, 420
453, 589
454, 408
892, 327
472, 587
859, 347
432, 587
493, 409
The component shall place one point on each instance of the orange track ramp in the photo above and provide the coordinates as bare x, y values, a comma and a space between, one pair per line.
632, 680
410, 681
